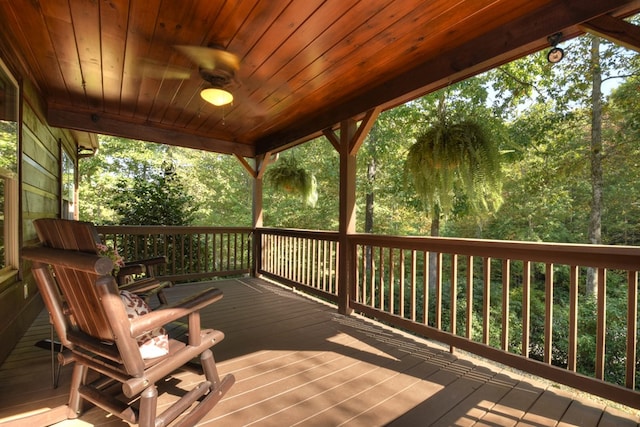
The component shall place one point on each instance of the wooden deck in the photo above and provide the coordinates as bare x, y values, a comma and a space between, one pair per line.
298, 362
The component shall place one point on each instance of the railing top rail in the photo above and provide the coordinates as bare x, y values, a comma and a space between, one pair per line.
601, 256
168, 229
309, 234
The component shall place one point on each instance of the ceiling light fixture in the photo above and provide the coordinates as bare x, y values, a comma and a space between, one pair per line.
216, 96
555, 54
217, 92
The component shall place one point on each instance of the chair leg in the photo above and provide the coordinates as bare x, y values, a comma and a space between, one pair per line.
209, 368
78, 378
148, 407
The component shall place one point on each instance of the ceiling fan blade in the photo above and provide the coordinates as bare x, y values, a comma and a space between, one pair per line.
210, 58
158, 70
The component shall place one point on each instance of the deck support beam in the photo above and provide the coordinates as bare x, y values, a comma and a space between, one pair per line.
347, 143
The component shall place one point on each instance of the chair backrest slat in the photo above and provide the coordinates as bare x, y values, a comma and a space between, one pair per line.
78, 287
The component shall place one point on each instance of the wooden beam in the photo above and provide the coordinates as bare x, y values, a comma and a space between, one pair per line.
615, 30
263, 162
332, 137
504, 44
106, 124
363, 130
247, 166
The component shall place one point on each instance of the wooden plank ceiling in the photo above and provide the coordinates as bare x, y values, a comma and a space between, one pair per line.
305, 65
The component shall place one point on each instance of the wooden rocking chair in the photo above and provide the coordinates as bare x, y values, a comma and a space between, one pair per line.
90, 318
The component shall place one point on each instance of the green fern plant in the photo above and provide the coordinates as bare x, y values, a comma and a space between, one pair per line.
287, 175
452, 160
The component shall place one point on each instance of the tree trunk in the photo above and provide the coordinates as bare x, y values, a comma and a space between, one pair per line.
368, 214
595, 218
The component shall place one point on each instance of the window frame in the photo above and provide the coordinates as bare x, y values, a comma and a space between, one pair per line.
10, 179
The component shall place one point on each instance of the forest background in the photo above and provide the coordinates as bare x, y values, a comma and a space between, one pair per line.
568, 135
539, 113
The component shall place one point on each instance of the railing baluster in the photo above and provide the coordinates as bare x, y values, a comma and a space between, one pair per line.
381, 281
392, 281
632, 326
425, 285
601, 328
526, 305
573, 318
486, 300
506, 282
548, 319
454, 296
402, 279
469, 298
413, 285
438, 286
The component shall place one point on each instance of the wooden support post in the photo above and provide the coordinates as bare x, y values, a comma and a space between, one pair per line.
347, 216
256, 170
260, 164
347, 144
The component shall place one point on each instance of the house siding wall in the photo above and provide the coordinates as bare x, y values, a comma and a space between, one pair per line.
39, 190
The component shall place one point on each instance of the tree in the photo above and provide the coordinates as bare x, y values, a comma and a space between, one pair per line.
455, 162
158, 199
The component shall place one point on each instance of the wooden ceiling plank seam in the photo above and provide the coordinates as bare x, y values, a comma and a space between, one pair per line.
323, 45
615, 30
223, 30
343, 51
296, 35
85, 23
48, 75
521, 32
256, 23
141, 22
186, 96
166, 25
308, 33
65, 50
343, 83
114, 23
429, 19
177, 34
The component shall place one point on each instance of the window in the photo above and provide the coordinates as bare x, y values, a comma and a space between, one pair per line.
68, 186
8, 169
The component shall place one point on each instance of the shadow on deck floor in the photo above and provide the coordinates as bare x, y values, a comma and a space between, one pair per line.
298, 362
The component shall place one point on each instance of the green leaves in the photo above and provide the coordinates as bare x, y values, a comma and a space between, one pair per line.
455, 159
287, 175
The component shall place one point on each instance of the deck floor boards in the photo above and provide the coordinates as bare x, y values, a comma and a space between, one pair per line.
299, 363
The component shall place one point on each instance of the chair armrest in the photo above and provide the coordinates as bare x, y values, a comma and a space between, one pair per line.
149, 261
162, 316
131, 268
145, 285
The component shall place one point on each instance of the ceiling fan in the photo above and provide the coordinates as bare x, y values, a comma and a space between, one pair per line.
216, 66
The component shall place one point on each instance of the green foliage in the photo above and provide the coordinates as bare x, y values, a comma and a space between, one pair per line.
159, 199
452, 160
287, 175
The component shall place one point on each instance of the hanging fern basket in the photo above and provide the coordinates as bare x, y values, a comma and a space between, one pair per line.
286, 175
446, 153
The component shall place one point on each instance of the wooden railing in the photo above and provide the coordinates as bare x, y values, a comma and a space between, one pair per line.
517, 303
484, 297
192, 252
301, 259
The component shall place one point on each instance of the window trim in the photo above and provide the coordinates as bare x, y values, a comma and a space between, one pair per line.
12, 193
